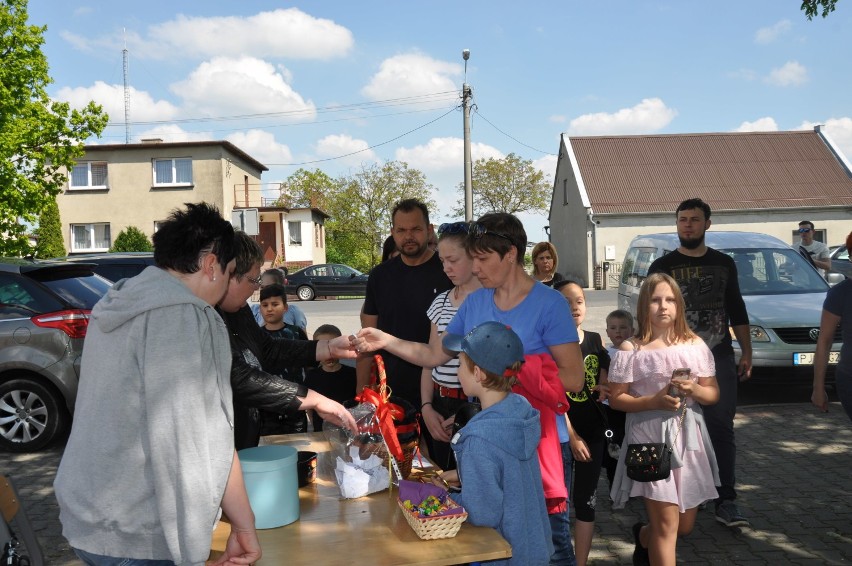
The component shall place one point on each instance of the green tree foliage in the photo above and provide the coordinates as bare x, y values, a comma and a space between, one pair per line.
812, 7
39, 138
361, 210
308, 189
509, 185
49, 232
132, 239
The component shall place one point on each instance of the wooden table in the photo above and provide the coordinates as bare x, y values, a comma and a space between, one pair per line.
370, 530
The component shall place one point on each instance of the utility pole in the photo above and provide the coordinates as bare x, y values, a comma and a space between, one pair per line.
468, 182
124, 57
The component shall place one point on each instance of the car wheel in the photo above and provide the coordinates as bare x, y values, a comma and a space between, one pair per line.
305, 293
31, 415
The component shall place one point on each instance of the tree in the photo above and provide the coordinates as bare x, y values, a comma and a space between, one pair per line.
508, 185
361, 210
308, 189
49, 232
812, 7
132, 239
40, 138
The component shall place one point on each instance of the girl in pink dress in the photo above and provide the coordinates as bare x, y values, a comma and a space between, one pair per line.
639, 380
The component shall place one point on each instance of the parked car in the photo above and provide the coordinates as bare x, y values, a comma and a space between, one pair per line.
326, 280
841, 267
116, 265
782, 291
44, 315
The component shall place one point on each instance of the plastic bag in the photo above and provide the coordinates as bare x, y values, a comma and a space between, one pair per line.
359, 459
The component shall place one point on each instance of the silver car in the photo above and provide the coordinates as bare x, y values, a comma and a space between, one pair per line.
44, 314
782, 291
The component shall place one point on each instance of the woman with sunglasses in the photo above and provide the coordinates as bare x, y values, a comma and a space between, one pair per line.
541, 317
440, 389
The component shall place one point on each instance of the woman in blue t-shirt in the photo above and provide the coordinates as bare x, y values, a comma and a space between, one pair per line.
538, 315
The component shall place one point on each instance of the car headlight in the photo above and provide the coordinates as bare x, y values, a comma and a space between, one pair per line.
757, 333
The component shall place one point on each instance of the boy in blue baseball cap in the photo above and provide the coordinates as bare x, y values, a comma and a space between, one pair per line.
496, 450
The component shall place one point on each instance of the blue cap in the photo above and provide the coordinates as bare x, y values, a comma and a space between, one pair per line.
493, 346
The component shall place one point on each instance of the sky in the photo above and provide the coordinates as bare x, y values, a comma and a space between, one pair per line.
342, 85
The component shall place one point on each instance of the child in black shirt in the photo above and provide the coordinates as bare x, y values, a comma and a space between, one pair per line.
330, 378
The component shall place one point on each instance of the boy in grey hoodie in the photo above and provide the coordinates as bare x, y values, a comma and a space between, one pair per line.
496, 450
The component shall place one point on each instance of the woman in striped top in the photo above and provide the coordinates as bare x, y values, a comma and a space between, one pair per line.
439, 387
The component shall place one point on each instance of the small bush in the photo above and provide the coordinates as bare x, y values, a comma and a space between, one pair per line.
131, 240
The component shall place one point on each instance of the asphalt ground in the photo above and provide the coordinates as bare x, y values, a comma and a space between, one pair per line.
794, 471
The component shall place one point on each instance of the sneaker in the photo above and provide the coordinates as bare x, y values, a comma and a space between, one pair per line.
729, 515
640, 553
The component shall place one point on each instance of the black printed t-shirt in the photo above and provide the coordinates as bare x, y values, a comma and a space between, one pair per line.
585, 417
712, 294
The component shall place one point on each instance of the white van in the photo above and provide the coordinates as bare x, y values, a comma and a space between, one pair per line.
783, 293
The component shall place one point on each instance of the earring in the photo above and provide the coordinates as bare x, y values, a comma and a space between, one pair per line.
214, 278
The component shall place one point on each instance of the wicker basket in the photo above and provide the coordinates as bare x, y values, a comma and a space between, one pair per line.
431, 528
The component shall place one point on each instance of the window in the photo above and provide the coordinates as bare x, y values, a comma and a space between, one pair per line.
295, 229
90, 237
89, 175
172, 172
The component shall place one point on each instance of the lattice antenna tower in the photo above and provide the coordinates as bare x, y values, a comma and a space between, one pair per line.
124, 57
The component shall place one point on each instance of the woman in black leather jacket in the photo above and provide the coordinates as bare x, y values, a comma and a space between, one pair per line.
252, 349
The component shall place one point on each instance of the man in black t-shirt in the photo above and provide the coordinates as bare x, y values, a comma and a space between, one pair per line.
708, 281
399, 292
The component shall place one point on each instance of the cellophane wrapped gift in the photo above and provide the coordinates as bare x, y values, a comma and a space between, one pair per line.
430, 510
359, 459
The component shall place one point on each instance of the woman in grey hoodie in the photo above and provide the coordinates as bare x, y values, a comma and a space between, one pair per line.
151, 458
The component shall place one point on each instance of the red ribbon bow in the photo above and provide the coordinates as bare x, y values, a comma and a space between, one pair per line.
386, 411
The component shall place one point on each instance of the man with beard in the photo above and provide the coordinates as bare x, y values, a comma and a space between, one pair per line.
708, 281
399, 292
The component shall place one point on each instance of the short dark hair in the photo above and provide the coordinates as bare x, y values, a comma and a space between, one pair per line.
276, 274
499, 223
274, 290
190, 233
571, 281
808, 222
328, 329
691, 203
410, 205
248, 253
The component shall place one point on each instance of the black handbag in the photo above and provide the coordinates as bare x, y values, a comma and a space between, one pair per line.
649, 461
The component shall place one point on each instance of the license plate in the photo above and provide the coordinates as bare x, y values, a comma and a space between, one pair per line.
807, 358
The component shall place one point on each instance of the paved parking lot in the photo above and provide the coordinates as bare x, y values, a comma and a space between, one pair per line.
794, 471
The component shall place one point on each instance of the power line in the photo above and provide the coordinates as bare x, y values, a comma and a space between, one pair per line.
476, 109
453, 109
401, 101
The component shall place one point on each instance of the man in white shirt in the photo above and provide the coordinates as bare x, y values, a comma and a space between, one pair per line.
815, 251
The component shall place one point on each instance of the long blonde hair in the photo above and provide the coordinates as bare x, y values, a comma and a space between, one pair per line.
680, 331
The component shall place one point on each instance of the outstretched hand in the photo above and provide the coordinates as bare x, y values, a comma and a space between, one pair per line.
333, 412
342, 348
369, 340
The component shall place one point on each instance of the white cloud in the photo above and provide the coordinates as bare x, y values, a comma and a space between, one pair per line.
226, 86
765, 124
172, 133
547, 165
412, 74
262, 146
839, 130
284, 33
444, 153
773, 32
337, 145
557, 118
792, 73
111, 97
648, 116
